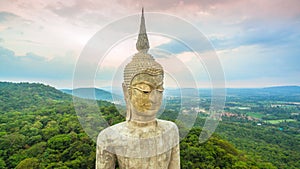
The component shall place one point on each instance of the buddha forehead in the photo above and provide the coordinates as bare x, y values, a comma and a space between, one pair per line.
153, 80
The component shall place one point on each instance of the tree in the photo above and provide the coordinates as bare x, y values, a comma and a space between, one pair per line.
59, 142
2, 163
28, 163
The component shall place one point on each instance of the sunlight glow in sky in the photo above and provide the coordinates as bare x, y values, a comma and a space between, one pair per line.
258, 42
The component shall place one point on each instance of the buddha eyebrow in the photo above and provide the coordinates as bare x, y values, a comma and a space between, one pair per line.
149, 84
143, 83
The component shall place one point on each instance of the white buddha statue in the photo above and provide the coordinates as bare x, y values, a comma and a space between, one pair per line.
142, 141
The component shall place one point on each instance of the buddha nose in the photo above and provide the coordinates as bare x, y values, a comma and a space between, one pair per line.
155, 96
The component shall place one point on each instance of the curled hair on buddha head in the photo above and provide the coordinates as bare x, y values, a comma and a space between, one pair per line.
142, 62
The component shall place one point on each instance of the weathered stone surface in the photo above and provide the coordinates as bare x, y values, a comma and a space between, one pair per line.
139, 145
142, 141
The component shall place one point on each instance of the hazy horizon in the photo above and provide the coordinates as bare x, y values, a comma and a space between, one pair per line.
166, 87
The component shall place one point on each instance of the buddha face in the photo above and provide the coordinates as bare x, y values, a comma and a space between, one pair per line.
146, 93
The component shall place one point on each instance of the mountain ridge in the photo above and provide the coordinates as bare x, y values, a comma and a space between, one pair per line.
94, 93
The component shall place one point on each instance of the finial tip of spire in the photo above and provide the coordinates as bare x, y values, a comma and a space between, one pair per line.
142, 43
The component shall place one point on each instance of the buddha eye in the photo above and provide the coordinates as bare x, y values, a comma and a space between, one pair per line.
160, 90
146, 92
141, 90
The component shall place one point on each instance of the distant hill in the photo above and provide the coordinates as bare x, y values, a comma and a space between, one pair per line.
17, 96
278, 93
294, 89
94, 93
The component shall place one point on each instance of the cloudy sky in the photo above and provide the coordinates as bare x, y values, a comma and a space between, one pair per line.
257, 42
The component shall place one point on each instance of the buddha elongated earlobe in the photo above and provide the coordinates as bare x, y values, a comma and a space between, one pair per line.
127, 101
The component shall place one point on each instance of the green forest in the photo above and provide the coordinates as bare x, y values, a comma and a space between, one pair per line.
39, 128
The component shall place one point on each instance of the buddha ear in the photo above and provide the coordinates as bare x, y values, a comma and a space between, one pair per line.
125, 92
127, 101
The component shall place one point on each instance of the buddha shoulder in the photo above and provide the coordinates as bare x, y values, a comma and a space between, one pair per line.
167, 125
111, 132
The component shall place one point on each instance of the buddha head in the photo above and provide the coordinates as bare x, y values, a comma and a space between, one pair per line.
143, 82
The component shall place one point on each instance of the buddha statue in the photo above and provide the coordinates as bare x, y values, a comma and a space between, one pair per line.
142, 141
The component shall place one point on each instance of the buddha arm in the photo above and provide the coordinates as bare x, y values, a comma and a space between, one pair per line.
175, 158
104, 159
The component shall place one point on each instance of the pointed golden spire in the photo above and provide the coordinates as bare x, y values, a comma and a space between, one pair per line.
142, 43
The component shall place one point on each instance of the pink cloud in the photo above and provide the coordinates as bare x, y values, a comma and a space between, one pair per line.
278, 8
214, 9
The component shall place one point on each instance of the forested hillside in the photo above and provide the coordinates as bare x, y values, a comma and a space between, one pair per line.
18, 96
39, 129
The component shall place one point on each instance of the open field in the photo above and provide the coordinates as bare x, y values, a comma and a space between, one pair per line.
255, 115
279, 121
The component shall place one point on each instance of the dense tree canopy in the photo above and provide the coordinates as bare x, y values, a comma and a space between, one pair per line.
39, 129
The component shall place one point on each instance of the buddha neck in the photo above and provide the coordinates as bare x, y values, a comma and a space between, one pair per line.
143, 123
